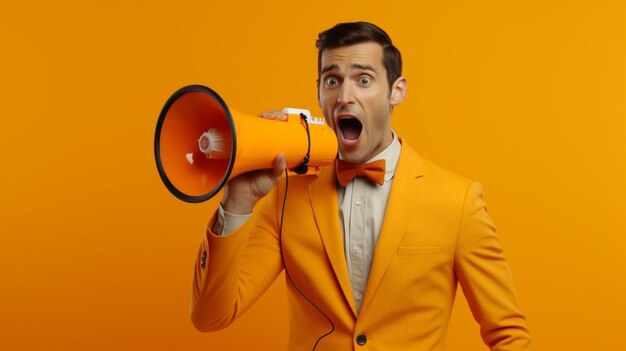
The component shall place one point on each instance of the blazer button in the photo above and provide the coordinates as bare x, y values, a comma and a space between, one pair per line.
203, 262
361, 339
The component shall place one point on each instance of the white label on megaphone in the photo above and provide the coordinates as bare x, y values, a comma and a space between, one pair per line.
316, 120
307, 113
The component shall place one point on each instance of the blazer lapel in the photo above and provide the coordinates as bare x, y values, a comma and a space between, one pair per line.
323, 194
399, 212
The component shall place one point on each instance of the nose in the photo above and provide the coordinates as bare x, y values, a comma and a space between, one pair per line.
346, 94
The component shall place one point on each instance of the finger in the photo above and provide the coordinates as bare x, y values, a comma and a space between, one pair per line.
271, 114
280, 164
274, 114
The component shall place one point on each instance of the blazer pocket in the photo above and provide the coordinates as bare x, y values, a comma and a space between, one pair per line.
418, 250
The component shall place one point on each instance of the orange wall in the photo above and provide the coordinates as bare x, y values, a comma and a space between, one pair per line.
528, 97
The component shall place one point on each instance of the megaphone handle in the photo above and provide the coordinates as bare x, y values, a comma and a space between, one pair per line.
304, 166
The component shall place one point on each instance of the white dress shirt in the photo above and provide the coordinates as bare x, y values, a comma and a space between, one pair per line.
362, 205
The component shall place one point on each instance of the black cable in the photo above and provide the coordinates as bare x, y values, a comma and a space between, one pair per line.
280, 233
304, 166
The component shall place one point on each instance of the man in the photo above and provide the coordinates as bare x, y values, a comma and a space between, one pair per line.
371, 263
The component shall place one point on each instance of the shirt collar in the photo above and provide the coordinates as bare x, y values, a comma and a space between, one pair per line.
391, 154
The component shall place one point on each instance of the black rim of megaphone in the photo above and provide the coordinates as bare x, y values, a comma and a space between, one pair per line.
157, 144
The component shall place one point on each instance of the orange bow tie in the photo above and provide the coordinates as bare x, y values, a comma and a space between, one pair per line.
346, 171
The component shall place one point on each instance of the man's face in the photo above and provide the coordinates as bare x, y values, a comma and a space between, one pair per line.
355, 99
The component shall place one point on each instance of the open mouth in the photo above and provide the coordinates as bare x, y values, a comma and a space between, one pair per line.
350, 129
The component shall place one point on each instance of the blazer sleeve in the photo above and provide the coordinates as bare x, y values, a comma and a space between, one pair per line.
231, 272
485, 278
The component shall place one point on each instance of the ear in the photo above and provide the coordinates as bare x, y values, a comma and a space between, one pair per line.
317, 83
398, 91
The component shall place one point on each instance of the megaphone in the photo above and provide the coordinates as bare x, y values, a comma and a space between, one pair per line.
200, 143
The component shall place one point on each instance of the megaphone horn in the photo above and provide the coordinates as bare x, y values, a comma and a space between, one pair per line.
200, 143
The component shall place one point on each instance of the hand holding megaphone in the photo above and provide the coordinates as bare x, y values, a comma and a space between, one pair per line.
200, 145
242, 192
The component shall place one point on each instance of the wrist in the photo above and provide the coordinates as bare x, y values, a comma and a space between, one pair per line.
240, 206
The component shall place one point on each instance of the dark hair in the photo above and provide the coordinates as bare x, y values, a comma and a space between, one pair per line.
344, 34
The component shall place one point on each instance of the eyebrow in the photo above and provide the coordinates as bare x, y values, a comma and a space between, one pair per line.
364, 67
356, 65
329, 68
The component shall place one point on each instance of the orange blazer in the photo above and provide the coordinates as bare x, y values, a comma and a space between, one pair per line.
436, 233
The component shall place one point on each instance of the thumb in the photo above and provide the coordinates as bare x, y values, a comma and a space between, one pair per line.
280, 164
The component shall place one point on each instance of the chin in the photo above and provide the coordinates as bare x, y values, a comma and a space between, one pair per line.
352, 155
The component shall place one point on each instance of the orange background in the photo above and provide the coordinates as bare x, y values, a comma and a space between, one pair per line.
528, 97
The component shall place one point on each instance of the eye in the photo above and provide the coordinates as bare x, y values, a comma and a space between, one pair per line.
365, 80
332, 81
